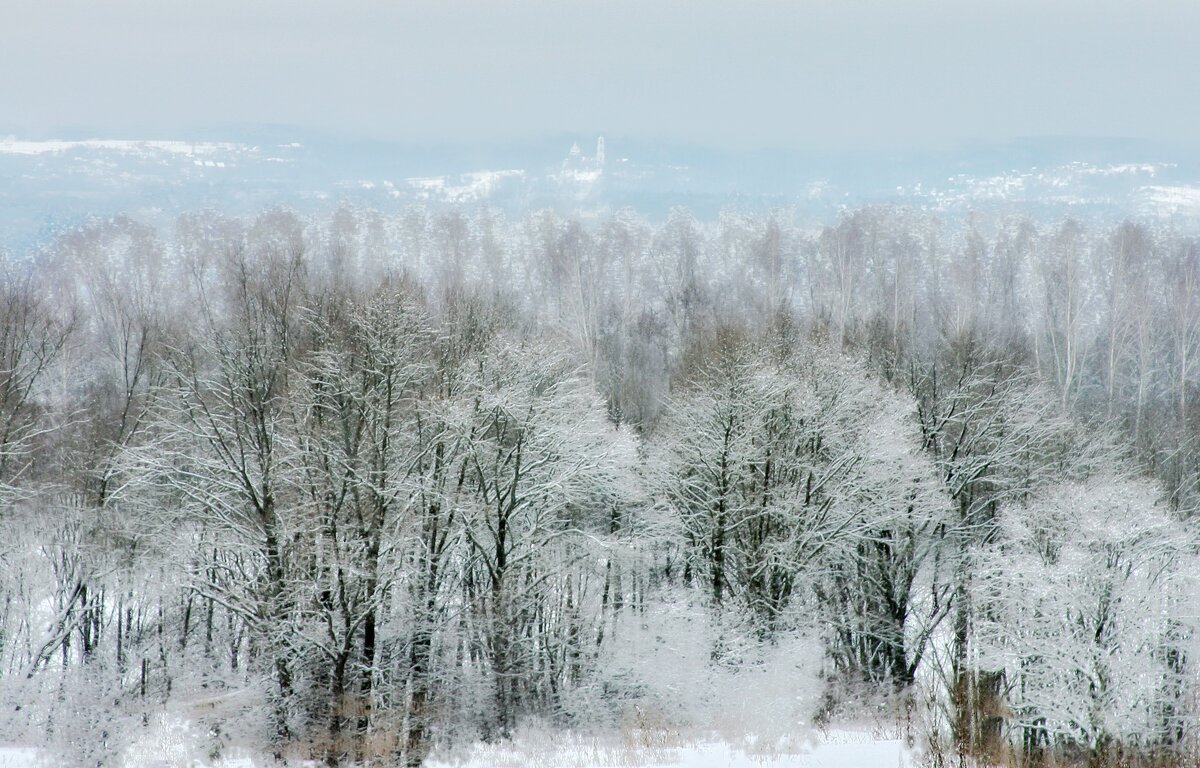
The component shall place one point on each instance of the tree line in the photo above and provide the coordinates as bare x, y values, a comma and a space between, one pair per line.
354, 485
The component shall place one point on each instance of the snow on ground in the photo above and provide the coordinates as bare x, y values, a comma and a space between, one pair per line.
12, 146
167, 746
1169, 200
168, 741
834, 749
18, 757
28, 757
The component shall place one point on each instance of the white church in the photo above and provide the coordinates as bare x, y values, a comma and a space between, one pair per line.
579, 167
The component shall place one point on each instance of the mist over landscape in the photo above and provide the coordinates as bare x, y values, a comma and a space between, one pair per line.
599, 384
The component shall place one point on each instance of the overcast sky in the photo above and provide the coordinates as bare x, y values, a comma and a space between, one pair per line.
738, 74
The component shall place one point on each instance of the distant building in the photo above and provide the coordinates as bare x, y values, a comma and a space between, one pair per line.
579, 169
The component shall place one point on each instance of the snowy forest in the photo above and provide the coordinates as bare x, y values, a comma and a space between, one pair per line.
356, 487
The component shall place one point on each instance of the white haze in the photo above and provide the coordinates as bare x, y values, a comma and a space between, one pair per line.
802, 74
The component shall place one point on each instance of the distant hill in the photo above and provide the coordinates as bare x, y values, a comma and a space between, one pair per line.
49, 184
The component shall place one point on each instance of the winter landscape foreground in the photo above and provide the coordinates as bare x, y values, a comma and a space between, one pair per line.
171, 747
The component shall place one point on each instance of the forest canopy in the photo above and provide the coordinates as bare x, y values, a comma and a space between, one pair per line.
354, 485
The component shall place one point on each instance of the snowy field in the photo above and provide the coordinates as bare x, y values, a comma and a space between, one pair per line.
835, 749
18, 757
167, 747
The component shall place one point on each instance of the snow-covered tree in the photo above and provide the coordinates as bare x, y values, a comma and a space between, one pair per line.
1086, 601
800, 474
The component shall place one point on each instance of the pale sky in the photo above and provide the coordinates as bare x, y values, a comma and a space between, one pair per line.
744, 74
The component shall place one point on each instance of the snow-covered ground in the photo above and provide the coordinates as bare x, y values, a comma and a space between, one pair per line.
834, 749
18, 757
13, 146
28, 757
